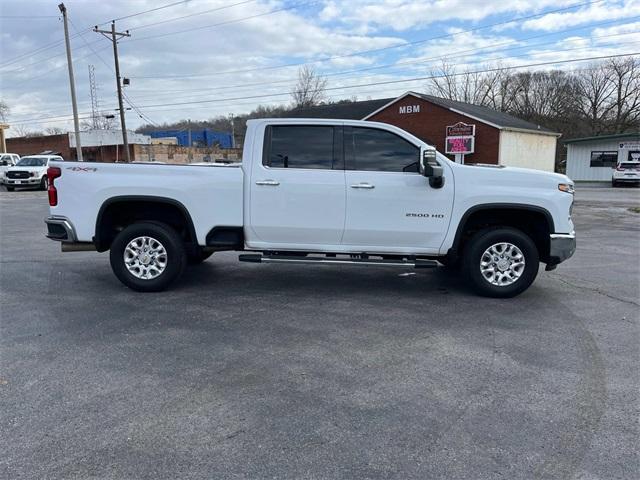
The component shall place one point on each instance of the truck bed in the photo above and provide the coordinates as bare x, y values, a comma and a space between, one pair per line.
212, 194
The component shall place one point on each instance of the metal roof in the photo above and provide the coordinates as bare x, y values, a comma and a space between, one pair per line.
603, 137
365, 109
486, 115
346, 110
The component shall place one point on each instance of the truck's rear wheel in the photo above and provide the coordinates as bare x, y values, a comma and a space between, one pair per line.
500, 262
147, 257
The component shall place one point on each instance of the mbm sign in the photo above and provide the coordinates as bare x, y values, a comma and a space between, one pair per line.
409, 109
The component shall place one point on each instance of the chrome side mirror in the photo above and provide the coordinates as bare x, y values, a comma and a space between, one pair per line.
430, 168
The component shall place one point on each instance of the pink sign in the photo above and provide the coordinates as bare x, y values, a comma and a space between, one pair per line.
459, 145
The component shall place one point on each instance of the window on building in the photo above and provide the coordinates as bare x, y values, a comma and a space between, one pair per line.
299, 146
381, 151
604, 159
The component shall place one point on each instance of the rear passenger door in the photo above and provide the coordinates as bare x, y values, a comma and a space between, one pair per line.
298, 189
390, 206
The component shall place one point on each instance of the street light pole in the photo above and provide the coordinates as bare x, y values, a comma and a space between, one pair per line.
72, 83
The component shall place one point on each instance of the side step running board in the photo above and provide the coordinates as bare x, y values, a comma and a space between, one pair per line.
417, 263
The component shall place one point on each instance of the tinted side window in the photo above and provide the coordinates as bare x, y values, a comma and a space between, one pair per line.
299, 146
382, 151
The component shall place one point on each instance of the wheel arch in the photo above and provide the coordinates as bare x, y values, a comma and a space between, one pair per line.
112, 215
533, 220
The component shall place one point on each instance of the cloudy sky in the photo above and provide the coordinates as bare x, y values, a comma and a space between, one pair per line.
201, 58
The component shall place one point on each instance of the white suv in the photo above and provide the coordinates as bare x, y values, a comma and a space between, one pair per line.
30, 171
7, 160
626, 172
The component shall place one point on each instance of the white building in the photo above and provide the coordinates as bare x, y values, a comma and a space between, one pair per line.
593, 158
101, 138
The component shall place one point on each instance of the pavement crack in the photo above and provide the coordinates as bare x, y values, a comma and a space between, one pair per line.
594, 290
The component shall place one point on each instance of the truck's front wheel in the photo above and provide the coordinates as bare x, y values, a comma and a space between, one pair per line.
500, 262
147, 257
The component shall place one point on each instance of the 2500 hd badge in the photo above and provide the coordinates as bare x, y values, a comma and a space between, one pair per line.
426, 215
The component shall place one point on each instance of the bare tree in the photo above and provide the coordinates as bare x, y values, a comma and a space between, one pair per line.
596, 89
4, 110
310, 89
104, 121
23, 131
489, 88
546, 98
626, 97
53, 130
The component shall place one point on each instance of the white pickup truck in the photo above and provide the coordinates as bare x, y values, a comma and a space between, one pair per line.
315, 191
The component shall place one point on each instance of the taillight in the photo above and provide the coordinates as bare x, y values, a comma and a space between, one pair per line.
52, 174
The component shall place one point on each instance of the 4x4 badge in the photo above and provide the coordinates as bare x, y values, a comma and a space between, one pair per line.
82, 169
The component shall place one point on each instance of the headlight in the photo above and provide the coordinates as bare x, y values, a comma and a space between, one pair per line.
567, 188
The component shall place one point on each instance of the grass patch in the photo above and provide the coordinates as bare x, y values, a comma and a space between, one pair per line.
634, 209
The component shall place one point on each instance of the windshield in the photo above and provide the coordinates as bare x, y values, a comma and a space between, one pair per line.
629, 166
32, 162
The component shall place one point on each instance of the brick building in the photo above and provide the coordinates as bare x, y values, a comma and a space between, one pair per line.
500, 138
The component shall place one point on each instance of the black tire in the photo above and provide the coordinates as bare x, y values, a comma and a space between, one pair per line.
197, 257
614, 184
176, 258
44, 183
10, 189
480, 242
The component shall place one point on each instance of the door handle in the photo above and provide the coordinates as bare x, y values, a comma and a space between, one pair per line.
272, 183
363, 185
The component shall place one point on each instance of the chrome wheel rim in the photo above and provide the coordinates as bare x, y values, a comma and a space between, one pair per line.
145, 258
502, 264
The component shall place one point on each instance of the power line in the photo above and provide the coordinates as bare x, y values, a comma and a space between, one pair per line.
191, 15
391, 82
387, 82
480, 62
137, 110
457, 54
60, 42
377, 50
452, 55
37, 62
30, 16
228, 22
517, 19
146, 11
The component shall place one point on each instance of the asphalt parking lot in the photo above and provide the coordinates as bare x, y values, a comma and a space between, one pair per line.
275, 371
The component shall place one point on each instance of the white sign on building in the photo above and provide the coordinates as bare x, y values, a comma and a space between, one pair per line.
409, 109
98, 138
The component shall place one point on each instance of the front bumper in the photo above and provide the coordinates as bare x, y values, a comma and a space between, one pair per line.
19, 182
561, 247
60, 229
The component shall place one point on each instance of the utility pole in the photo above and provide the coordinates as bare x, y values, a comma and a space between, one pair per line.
72, 83
115, 36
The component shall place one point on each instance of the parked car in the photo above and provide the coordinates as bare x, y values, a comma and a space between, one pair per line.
7, 160
626, 172
311, 191
30, 171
